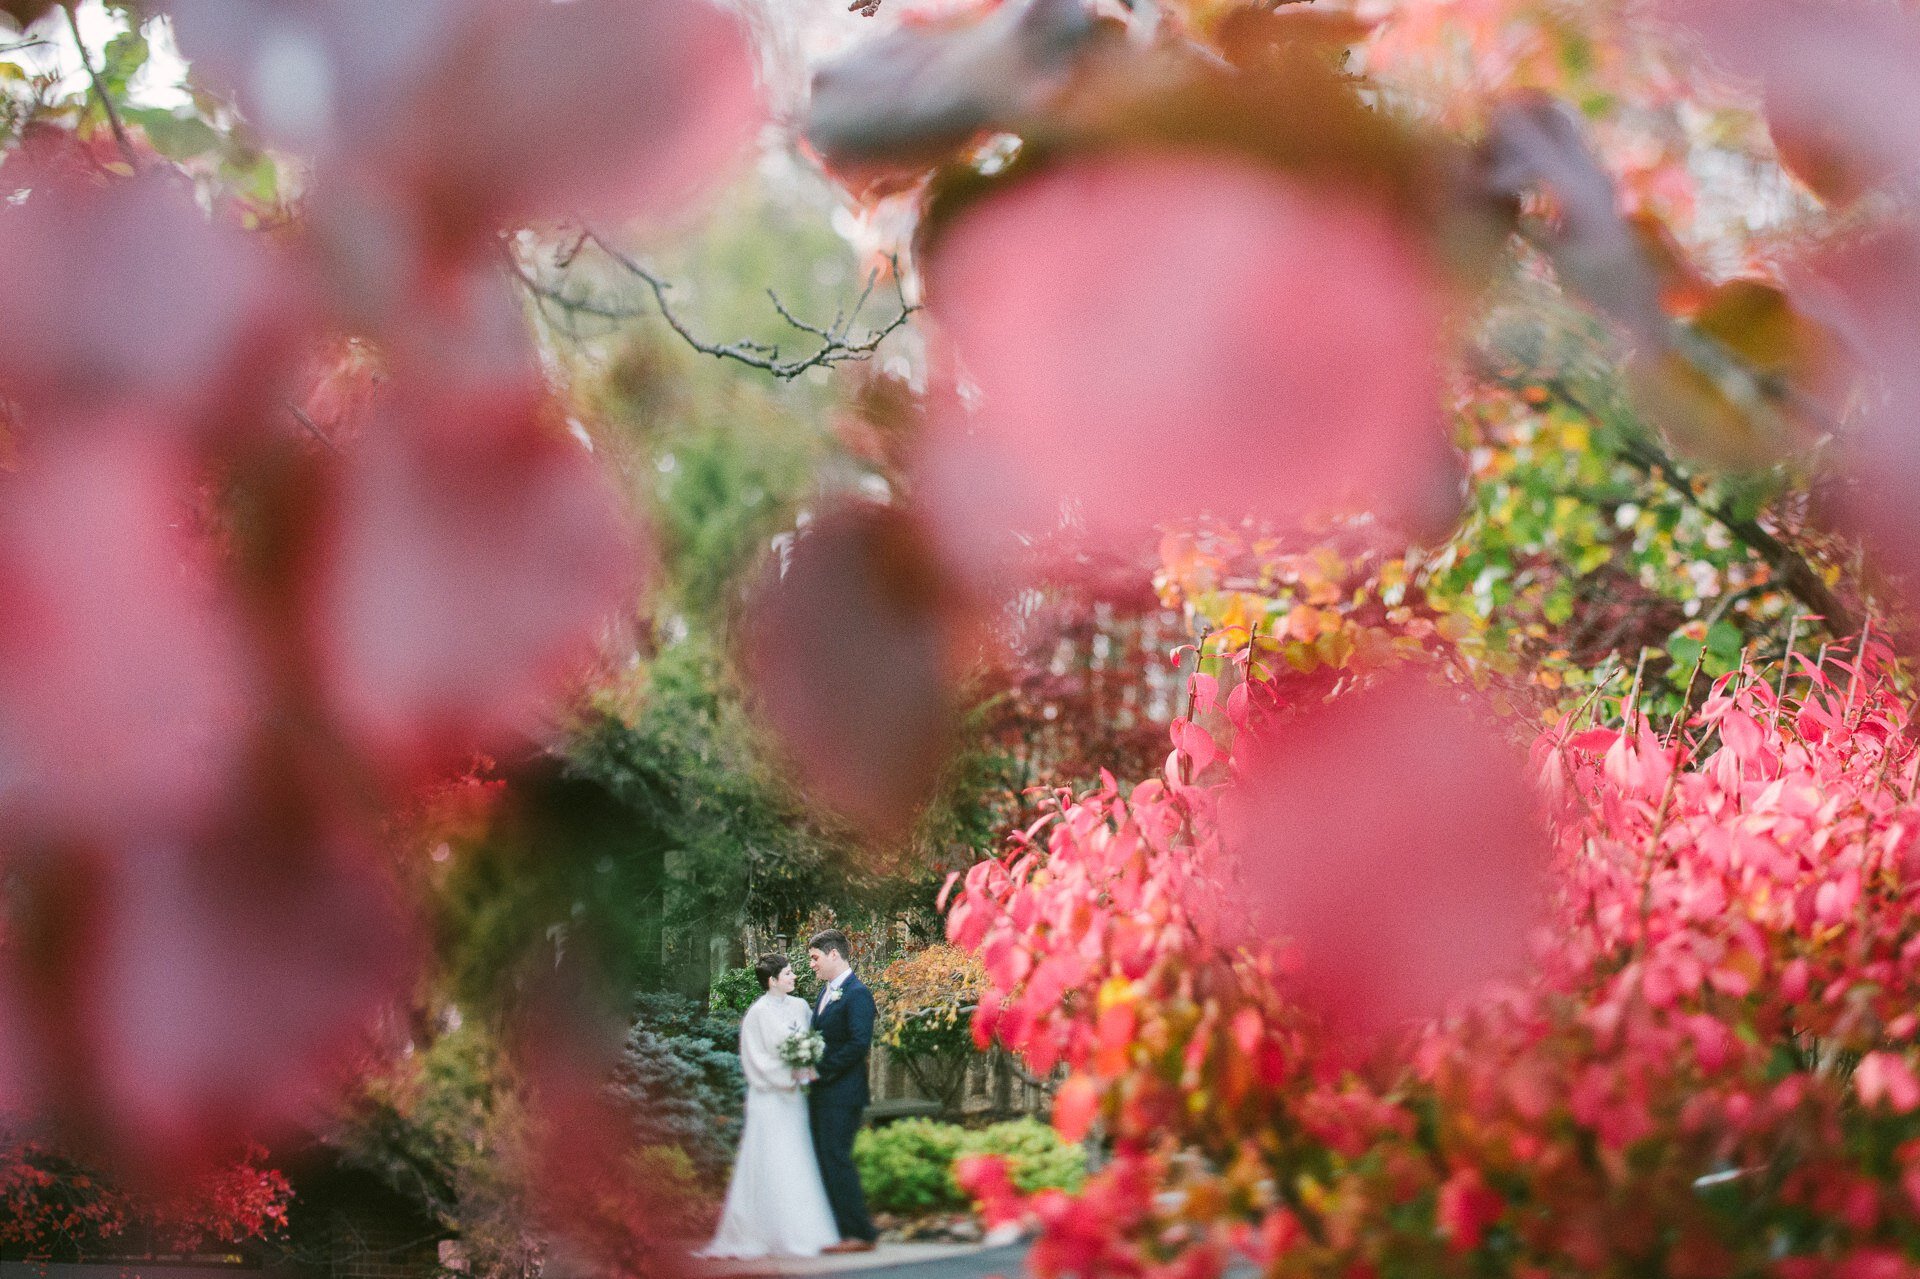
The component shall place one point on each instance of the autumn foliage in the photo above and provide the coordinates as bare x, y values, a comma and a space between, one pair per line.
55, 1210
299, 516
1706, 1067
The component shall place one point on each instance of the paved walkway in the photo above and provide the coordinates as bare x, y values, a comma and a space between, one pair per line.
888, 1261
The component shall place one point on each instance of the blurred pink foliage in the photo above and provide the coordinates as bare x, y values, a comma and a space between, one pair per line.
262, 585
1731, 919
1210, 337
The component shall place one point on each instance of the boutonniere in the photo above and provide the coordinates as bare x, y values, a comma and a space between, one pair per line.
833, 996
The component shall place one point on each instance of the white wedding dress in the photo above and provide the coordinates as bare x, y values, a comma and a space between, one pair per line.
776, 1204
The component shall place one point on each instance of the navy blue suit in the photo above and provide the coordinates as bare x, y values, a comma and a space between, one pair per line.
837, 1098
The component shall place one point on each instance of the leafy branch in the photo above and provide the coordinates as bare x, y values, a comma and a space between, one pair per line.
114, 122
1789, 567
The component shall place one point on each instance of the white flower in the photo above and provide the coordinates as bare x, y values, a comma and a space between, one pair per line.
833, 996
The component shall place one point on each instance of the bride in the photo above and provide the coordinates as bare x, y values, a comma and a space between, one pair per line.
776, 1204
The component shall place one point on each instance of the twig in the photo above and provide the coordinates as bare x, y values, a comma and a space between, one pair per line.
836, 343
577, 306
1786, 667
100, 92
1630, 708
305, 419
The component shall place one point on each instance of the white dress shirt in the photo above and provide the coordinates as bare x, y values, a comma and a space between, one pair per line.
832, 986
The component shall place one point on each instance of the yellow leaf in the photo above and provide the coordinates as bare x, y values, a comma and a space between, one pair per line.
1334, 648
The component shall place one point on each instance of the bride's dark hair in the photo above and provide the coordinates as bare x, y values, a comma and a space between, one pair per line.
769, 966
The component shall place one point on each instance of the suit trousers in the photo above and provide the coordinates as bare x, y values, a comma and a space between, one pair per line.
834, 1124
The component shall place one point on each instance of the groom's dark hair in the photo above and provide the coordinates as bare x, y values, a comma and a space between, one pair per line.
769, 966
831, 939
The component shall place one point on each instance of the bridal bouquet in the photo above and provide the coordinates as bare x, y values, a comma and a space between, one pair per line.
803, 1049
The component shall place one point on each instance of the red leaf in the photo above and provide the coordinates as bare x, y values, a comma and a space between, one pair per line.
471, 565
1075, 1107
1597, 740
182, 994
986, 1180
1886, 1077
1396, 842
584, 1182
603, 108
1466, 1207
848, 644
1869, 290
1211, 337
475, 115
1842, 79
123, 293
123, 686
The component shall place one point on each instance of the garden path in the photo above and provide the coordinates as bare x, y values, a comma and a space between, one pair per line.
888, 1261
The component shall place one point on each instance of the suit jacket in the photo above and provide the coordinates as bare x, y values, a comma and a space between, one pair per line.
847, 1026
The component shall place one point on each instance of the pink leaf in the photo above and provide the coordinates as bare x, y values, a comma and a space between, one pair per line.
1205, 691
602, 108
186, 994
1869, 291
848, 649
1211, 337
471, 565
123, 293
438, 122
1394, 839
1741, 734
1196, 744
1886, 1077
124, 687
1847, 74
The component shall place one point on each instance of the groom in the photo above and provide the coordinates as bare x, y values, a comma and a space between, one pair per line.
844, 1017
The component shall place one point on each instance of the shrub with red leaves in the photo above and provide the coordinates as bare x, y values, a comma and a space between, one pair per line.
54, 1209
1708, 1066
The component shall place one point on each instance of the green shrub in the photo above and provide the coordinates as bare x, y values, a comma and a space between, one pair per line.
735, 989
733, 992
1036, 1157
681, 1203
680, 1077
907, 1167
806, 986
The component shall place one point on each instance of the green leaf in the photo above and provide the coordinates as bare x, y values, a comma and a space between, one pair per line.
1725, 641
1558, 606
125, 54
254, 176
1685, 653
177, 137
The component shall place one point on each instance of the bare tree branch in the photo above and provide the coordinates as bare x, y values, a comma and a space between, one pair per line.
546, 293
837, 345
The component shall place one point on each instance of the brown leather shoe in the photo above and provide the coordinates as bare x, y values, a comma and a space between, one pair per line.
850, 1245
